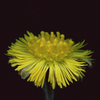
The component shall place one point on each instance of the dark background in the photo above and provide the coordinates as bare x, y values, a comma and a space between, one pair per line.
77, 20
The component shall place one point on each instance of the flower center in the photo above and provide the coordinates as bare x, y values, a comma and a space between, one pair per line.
50, 47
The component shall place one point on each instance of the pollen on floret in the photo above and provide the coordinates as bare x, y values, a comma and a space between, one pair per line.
49, 45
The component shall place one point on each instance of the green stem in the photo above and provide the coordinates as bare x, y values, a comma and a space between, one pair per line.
48, 91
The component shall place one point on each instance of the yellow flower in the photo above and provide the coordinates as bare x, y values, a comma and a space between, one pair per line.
35, 55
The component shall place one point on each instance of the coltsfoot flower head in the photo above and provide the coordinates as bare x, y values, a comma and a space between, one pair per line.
35, 55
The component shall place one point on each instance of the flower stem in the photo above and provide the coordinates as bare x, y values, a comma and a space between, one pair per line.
48, 91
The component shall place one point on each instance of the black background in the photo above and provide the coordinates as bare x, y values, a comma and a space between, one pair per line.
77, 20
